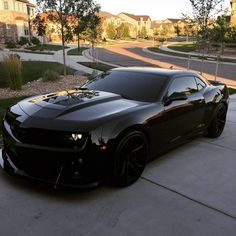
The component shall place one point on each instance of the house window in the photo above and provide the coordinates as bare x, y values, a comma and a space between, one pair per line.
5, 5
26, 29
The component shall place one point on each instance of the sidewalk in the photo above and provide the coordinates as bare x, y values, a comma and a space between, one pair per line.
71, 61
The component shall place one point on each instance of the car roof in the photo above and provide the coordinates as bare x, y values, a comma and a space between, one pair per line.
152, 70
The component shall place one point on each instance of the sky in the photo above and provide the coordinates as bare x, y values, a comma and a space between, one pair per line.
156, 9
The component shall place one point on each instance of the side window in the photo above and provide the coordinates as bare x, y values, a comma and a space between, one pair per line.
200, 84
185, 85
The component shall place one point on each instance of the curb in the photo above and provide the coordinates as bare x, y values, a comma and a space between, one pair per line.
184, 58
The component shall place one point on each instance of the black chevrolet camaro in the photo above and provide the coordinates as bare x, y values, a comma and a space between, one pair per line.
111, 126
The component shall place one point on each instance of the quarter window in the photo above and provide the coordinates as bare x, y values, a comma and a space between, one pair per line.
200, 84
185, 85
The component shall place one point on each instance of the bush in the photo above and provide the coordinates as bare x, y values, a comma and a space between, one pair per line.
35, 41
23, 41
12, 66
15, 55
10, 44
50, 75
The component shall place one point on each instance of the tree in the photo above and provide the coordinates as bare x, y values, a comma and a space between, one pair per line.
177, 30
93, 32
123, 31
143, 32
64, 13
84, 15
39, 23
165, 32
111, 30
219, 31
203, 11
231, 35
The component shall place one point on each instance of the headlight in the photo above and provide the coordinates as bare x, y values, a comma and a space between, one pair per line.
76, 137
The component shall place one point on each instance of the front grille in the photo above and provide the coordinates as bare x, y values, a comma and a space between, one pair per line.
47, 137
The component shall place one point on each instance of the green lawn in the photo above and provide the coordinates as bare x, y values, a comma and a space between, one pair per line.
32, 70
183, 46
75, 52
232, 91
46, 47
97, 66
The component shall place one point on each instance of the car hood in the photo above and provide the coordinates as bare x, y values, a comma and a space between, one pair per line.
55, 110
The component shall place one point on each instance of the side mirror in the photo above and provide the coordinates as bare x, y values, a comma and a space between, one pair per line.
175, 97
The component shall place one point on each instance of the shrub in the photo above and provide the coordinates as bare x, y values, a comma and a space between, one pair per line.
10, 44
12, 66
50, 75
69, 71
35, 41
23, 41
15, 55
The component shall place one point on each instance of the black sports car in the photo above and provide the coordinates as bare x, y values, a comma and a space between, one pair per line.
111, 126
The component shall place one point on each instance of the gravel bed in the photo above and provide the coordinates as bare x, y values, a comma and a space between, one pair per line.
39, 87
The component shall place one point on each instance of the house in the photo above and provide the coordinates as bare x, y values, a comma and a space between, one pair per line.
138, 23
135, 23
15, 16
233, 13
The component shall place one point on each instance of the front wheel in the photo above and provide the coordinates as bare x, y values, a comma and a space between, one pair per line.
218, 122
129, 159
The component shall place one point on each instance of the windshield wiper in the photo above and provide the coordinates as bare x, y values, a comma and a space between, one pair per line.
81, 88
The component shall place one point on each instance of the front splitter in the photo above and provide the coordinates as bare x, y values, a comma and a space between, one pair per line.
18, 173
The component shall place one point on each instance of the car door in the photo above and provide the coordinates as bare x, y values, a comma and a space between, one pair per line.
183, 116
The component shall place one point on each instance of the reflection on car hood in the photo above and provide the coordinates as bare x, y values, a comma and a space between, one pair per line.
76, 105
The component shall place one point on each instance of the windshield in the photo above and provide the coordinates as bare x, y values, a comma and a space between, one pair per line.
140, 86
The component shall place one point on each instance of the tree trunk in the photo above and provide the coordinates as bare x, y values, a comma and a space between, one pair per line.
63, 49
78, 43
222, 48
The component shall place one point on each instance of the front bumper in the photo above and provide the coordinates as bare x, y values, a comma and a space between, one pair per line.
57, 166
8, 166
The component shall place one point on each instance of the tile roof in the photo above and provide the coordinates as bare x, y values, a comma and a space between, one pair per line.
137, 17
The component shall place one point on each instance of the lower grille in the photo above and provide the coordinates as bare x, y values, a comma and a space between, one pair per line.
46, 165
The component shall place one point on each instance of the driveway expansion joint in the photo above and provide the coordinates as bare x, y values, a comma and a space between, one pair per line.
190, 198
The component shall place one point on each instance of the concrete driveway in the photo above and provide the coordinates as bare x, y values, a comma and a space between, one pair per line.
189, 191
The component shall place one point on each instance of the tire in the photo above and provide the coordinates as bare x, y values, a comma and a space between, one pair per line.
218, 122
129, 159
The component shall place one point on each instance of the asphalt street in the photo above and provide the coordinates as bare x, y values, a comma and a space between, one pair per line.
132, 54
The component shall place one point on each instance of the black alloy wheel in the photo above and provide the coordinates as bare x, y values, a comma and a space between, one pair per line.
130, 158
218, 123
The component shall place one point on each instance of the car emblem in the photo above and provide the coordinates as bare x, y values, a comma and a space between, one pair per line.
76, 137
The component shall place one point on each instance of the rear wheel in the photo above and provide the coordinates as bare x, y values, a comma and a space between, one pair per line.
218, 123
129, 159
